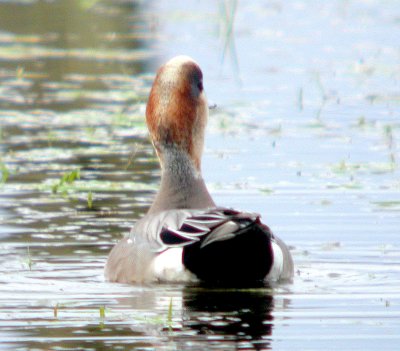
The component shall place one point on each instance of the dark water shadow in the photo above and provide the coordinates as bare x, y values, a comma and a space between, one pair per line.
231, 315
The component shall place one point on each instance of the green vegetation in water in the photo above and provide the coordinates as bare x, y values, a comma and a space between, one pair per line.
96, 186
276, 130
90, 131
316, 124
66, 180
5, 173
224, 124
320, 85
164, 321
110, 186
124, 120
102, 312
345, 168
388, 130
136, 148
55, 310
20, 72
169, 316
29, 260
87, 4
389, 139
342, 167
361, 122
51, 137
352, 185
266, 191
57, 307
90, 200
391, 205
300, 100
227, 20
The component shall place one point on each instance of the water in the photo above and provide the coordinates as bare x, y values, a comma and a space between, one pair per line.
306, 132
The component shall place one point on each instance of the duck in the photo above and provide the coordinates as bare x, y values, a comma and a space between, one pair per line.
184, 236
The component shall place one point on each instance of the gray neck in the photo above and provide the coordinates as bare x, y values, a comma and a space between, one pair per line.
182, 185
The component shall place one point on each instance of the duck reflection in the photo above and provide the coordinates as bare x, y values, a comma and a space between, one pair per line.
241, 315
202, 317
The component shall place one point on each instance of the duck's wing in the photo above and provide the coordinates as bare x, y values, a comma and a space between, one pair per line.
211, 243
251, 251
180, 228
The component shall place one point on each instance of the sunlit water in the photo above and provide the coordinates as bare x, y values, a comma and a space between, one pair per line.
305, 132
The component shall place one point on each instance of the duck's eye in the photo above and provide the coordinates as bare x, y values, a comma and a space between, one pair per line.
200, 86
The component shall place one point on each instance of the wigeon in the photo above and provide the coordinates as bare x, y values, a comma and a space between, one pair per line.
184, 236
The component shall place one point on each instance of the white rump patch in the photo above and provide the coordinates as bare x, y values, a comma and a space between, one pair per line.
277, 266
168, 266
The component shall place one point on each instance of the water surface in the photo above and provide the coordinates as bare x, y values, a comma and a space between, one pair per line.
306, 132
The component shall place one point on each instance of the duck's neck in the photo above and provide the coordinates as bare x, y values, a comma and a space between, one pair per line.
182, 185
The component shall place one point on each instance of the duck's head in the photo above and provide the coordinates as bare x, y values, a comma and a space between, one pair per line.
177, 109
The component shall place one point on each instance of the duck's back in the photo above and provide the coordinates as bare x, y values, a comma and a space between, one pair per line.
214, 245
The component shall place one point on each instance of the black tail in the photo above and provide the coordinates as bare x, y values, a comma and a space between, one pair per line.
246, 257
